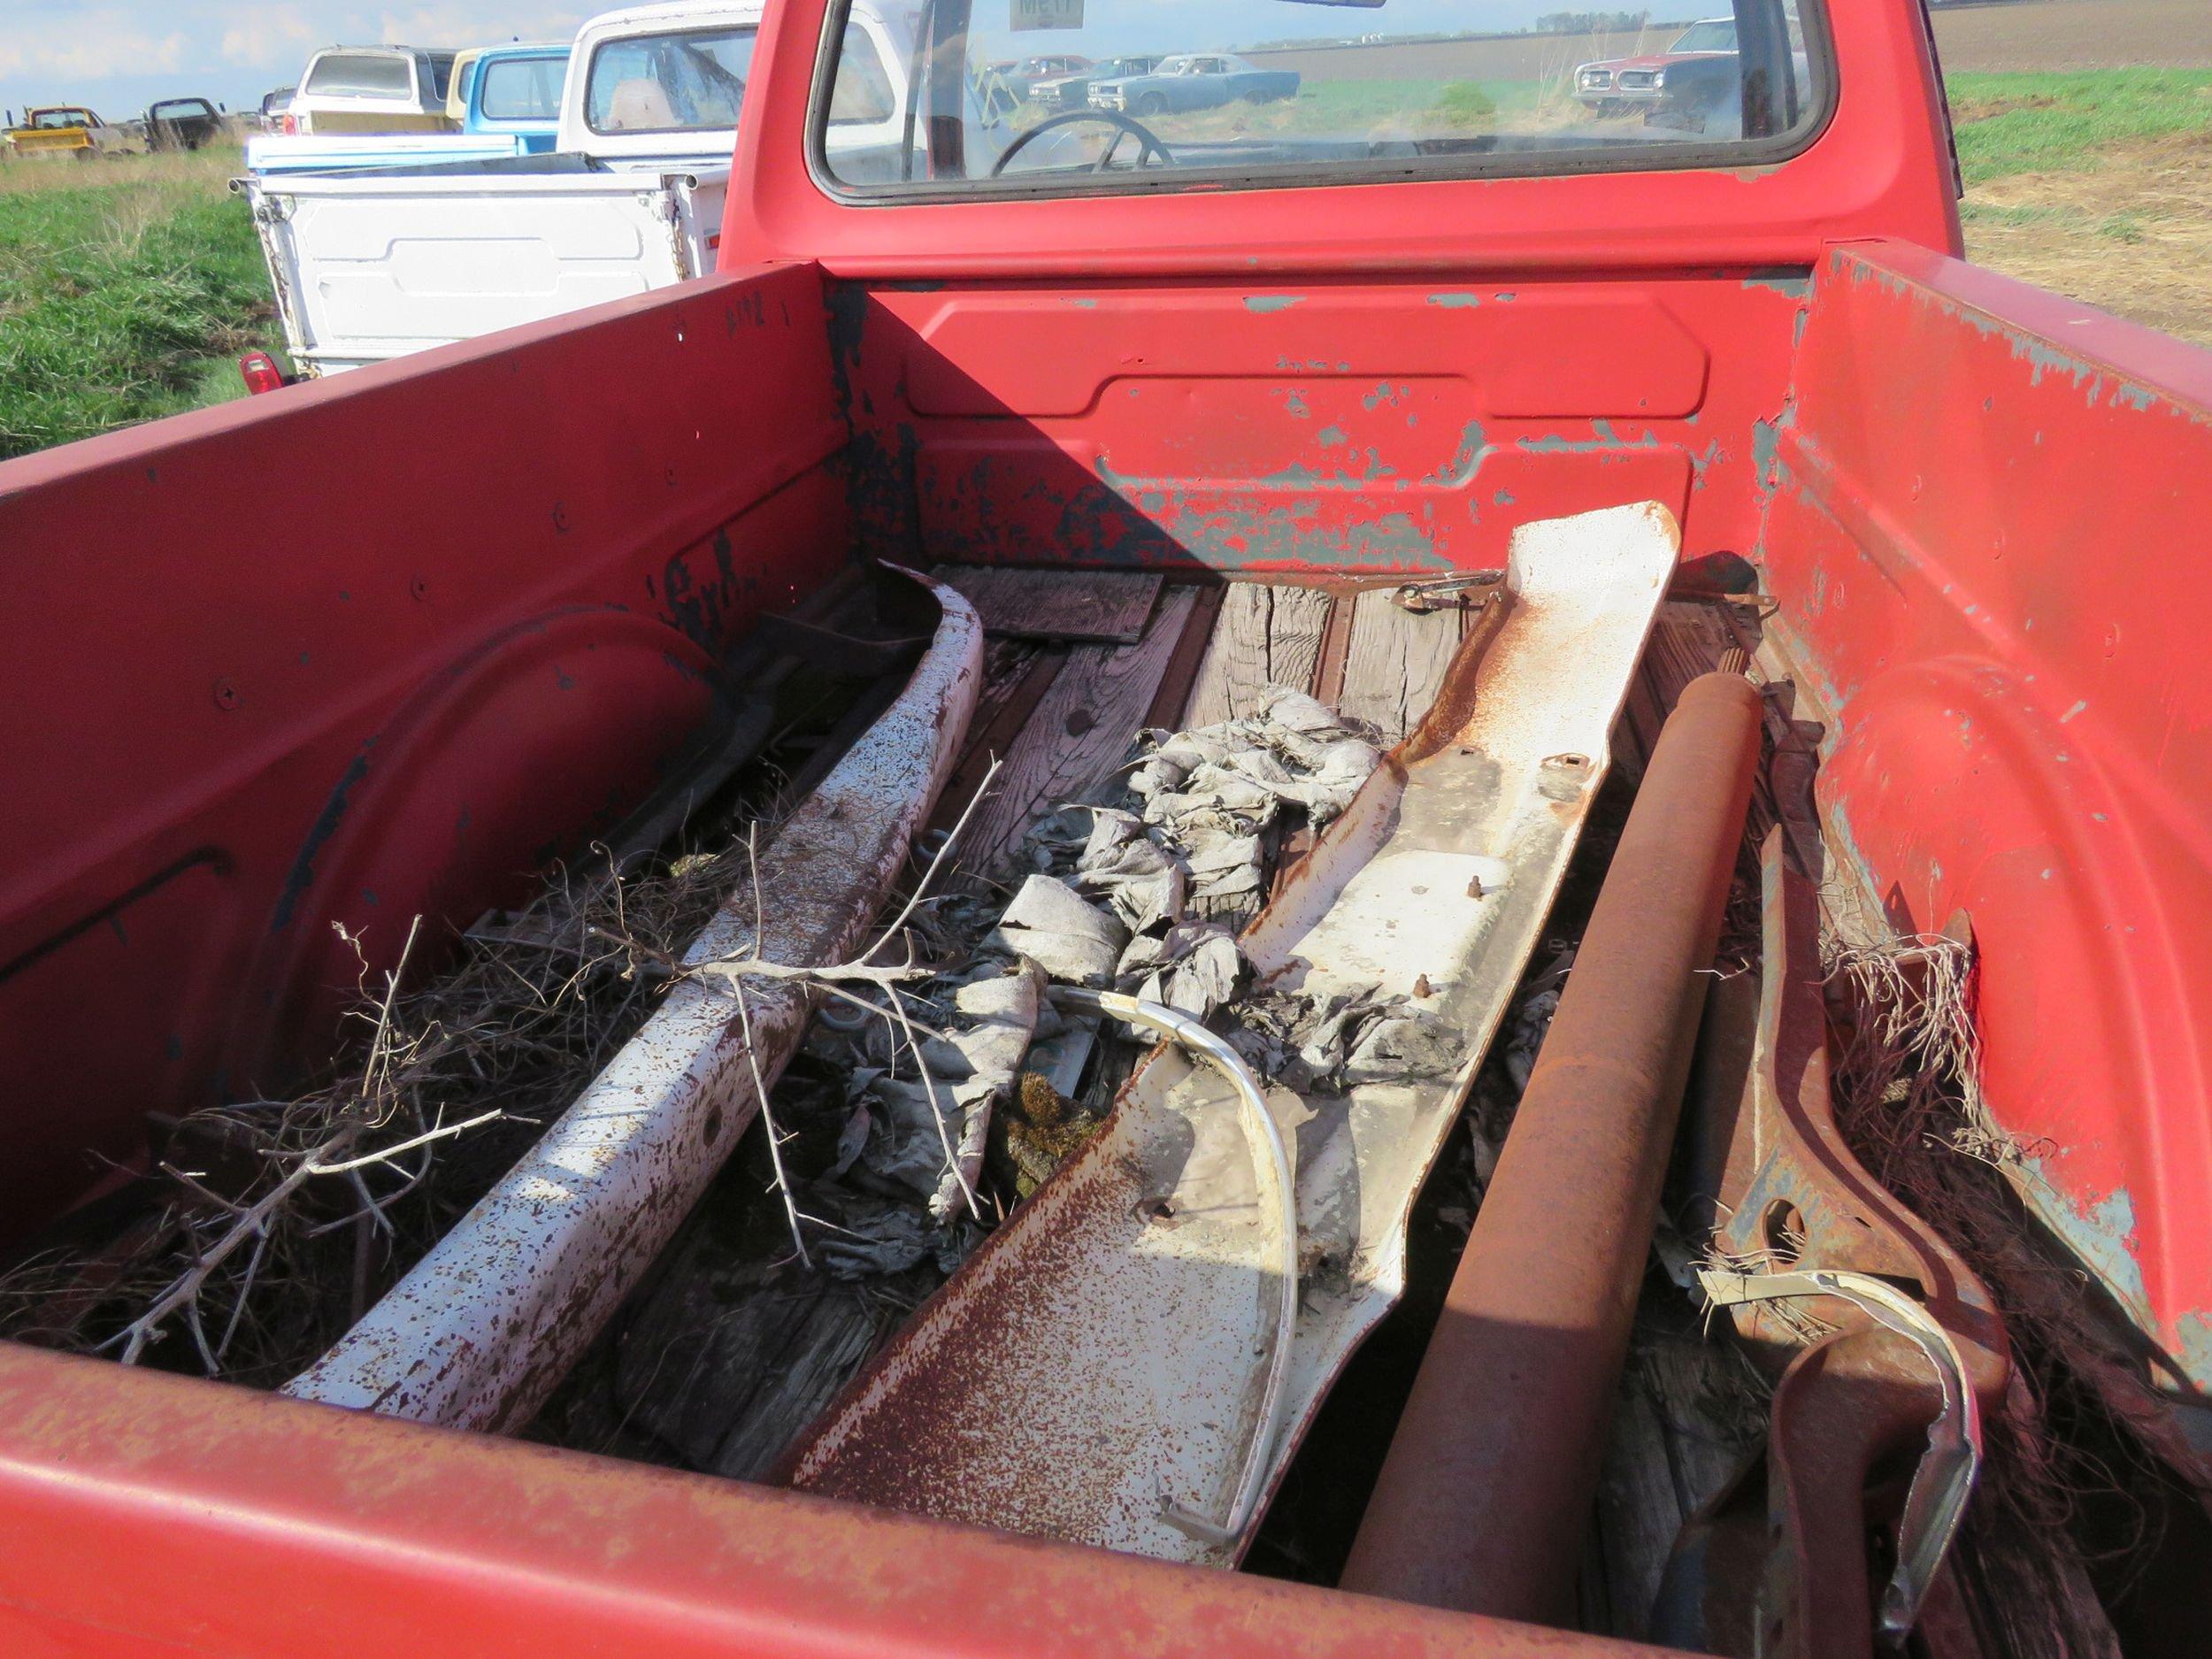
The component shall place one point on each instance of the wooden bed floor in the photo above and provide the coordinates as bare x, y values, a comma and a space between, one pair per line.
1076, 666
1061, 714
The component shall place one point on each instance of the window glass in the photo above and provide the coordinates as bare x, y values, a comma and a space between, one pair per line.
862, 93
361, 76
442, 75
1714, 35
690, 81
1080, 94
522, 89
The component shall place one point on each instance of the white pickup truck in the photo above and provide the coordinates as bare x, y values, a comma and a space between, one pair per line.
372, 265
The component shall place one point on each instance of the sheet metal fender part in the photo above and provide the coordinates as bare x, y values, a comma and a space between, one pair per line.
1483, 1502
1863, 1391
483, 1327
1119, 1317
1270, 1164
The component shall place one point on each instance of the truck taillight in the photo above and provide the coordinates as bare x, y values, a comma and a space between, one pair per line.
260, 373
290, 124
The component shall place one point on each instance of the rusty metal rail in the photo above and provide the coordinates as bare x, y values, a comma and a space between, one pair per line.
1484, 1496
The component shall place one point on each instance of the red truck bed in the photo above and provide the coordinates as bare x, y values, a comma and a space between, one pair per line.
380, 647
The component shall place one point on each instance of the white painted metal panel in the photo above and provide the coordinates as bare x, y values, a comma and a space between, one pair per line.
1120, 1320
368, 268
483, 1327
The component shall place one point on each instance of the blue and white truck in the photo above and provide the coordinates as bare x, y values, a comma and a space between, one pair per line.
375, 264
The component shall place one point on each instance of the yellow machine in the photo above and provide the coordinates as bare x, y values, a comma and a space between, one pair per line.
61, 130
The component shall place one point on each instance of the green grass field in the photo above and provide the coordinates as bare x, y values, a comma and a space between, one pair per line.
2097, 185
129, 286
2011, 123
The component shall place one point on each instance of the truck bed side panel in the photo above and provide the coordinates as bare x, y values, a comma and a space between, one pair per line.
391, 628
1982, 521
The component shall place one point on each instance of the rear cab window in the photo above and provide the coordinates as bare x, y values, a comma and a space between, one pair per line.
361, 76
1077, 97
521, 89
683, 82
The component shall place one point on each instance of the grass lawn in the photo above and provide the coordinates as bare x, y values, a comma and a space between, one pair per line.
129, 286
2010, 124
2096, 184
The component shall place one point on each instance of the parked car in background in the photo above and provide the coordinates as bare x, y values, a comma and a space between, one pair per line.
372, 90
183, 123
517, 90
456, 92
631, 200
62, 129
1613, 84
512, 107
1022, 74
1193, 81
1073, 91
274, 106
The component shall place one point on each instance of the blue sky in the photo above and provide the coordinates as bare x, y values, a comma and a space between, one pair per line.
120, 55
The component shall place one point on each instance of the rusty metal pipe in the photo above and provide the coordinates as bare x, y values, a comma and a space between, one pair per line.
1484, 1496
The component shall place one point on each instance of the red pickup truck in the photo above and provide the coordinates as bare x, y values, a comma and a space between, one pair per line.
1445, 486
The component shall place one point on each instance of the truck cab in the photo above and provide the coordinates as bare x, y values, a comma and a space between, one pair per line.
182, 124
62, 130
372, 89
1575, 669
518, 90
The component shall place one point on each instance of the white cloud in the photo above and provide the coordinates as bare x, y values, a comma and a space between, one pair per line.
126, 51
268, 35
469, 25
91, 45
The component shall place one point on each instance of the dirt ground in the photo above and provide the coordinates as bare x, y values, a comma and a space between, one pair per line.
2132, 235
2058, 34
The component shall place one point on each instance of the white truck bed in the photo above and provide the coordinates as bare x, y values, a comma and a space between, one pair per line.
375, 265
287, 152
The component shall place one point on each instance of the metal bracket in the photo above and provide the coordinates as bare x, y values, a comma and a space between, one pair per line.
1945, 1480
1445, 592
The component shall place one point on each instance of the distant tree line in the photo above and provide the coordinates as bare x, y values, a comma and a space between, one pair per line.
1590, 23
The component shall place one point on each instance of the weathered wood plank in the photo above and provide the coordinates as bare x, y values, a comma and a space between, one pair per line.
1266, 636
1711, 1412
840, 1327
1082, 727
1016, 674
1103, 607
1396, 662
1638, 1514
1687, 640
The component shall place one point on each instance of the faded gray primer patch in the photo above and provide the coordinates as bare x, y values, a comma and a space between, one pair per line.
1602, 437
2099, 382
1456, 302
1789, 281
2101, 1238
1271, 302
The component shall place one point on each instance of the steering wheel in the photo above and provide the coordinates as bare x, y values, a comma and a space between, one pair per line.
1148, 140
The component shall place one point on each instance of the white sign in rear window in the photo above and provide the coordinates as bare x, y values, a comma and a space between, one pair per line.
1044, 14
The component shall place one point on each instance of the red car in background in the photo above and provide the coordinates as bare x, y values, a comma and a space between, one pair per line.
1614, 84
